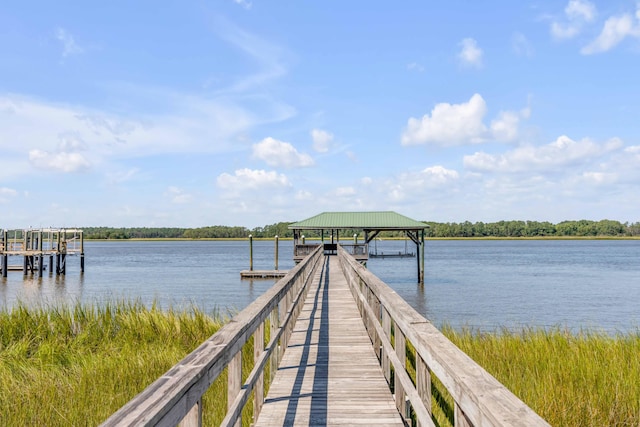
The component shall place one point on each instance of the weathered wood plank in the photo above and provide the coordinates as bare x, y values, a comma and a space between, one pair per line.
329, 374
170, 398
483, 400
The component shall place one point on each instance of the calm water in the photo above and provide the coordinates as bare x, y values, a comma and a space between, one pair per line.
481, 284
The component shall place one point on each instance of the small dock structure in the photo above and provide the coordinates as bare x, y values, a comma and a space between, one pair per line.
263, 274
332, 345
36, 245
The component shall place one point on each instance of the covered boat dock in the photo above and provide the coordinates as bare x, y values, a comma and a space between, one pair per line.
330, 224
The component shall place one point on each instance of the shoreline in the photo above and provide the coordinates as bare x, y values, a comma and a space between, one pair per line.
242, 239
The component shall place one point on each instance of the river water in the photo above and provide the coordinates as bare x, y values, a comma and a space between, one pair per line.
482, 284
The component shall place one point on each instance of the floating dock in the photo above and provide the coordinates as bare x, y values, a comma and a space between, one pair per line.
263, 274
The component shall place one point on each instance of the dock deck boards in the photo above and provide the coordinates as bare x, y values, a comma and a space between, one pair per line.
317, 382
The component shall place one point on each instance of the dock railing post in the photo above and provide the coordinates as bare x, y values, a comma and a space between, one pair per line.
81, 252
40, 255
258, 349
5, 247
25, 247
234, 381
58, 253
276, 252
63, 254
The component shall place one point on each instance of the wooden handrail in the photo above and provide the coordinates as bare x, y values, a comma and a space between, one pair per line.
176, 397
480, 400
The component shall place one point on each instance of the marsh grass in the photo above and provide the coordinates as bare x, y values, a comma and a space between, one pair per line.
76, 365
570, 379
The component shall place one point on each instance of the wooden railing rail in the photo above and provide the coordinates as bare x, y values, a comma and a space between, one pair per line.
355, 248
480, 400
306, 249
176, 397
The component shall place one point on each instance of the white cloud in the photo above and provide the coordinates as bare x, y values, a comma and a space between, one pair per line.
580, 9
577, 13
562, 152
321, 140
408, 186
521, 45
345, 192
244, 3
269, 57
248, 179
6, 194
633, 149
303, 195
414, 66
615, 30
280, 154
505, 127
59, 162
178, 195
118, 177
351, 156
193, 125
449, 124
69, 45
599, 178
457, 124
5, 191
470, 54
438, 175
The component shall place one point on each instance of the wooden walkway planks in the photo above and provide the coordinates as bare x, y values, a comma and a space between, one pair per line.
329, 374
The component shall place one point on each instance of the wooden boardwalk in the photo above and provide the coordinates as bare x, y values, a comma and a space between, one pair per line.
329, 374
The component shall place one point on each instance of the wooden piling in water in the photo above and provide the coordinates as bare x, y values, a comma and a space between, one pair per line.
250, 252
276, 253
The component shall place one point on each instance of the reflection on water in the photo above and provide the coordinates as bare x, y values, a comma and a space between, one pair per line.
36, 290
481, 284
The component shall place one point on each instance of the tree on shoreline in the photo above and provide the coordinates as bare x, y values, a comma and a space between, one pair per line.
580, 228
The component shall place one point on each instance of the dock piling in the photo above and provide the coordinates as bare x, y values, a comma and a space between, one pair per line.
276, 252
250, 252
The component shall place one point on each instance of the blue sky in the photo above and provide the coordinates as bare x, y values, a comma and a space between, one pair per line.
238, 112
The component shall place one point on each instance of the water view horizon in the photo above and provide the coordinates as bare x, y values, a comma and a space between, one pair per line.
485, 285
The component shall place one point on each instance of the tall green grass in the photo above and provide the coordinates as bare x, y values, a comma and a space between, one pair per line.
77, 365
583, 379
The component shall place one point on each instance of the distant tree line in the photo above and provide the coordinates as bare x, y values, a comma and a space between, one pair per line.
581, 228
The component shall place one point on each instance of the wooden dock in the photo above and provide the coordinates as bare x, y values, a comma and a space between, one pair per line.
35, 245
342, 348
263, 274
317, 382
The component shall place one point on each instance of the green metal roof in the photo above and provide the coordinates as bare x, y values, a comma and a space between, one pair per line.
360, 220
